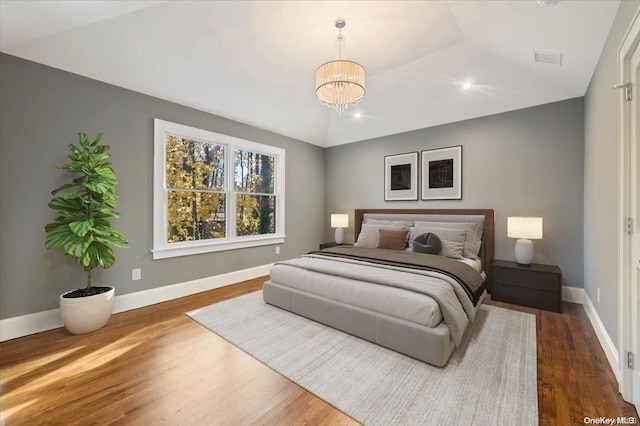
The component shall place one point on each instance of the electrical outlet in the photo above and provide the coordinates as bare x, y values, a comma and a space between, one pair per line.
277, 249
598, 295
136, 274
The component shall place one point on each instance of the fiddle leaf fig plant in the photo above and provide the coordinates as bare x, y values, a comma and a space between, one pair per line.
83, 207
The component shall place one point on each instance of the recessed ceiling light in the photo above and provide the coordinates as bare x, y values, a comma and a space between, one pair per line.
357, 115
466, 86
547, 3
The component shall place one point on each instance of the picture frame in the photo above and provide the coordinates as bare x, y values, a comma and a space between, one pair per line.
401, 177
441, 173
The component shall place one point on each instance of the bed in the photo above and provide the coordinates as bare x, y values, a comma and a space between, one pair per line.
391, 288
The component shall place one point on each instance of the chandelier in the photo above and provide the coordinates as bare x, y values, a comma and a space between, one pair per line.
340, 83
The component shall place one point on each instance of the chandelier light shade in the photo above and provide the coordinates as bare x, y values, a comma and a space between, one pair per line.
340, 83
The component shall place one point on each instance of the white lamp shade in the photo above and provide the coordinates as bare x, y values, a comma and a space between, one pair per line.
339, 220
524, 227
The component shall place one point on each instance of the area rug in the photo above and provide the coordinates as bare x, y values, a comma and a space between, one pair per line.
489, 380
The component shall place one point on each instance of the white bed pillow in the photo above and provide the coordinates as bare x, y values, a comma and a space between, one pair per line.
369, 234
473, 239
452, 239
406, 223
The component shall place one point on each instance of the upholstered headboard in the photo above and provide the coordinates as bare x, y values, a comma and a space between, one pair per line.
485, 217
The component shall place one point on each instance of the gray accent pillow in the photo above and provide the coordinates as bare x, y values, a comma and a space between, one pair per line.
473, 239
452, 239
427, 243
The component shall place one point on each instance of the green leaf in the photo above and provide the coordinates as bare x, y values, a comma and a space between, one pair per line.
98, 187
65, 186
111, 202
72, 167
115, 239
77, 246
67, 206
83, 140
99, 159
101, 253
101, 149
80, 228
106, 172
75, 152
59, 237
58, 222
97, 140
107, 213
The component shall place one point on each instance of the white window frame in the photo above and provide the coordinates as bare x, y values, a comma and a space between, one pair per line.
162, 249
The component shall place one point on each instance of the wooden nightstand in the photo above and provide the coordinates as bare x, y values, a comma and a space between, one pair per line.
536, 286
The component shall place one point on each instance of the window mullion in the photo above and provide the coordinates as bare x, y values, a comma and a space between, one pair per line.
229, 164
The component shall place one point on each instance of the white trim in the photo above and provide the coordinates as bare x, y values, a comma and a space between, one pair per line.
209, 247
24, 325
605, 340
625, 298
573, 294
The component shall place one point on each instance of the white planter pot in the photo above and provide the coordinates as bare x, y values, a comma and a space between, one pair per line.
86, 314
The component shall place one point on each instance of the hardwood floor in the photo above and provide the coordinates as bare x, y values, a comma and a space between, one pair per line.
155, 365
574, 377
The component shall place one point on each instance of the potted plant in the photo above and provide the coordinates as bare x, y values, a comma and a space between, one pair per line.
83, 208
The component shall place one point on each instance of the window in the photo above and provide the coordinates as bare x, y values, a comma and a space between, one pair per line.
214, 192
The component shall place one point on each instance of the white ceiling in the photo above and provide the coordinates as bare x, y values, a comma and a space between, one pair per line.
255, 61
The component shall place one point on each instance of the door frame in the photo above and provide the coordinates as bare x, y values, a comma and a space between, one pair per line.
625, 261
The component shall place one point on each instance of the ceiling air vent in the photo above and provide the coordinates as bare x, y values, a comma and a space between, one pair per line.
548, 58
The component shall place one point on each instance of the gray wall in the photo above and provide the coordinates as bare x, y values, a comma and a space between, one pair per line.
41, 111
521, 163
601, 177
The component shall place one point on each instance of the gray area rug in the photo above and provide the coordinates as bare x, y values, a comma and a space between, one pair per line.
489, 380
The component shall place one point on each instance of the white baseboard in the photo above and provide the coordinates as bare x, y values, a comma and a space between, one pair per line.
573, 294
605, 341
24, 325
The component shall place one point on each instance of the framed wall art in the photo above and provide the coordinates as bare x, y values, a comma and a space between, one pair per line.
442, 174
401, 177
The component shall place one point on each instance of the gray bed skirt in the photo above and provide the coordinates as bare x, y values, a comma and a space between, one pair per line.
429, 344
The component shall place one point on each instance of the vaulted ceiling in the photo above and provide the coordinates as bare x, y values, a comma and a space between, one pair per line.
254, 61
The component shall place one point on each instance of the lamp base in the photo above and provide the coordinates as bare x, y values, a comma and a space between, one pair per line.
524, 252
339, 235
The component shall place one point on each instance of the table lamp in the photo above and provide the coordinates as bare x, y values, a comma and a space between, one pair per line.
339, 221
525, 229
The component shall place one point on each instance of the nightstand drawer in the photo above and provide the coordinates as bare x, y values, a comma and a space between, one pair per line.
527, 297
533, 280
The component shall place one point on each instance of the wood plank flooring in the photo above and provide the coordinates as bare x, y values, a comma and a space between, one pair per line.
155, 365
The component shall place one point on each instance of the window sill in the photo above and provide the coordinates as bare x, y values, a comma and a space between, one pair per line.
167, 252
